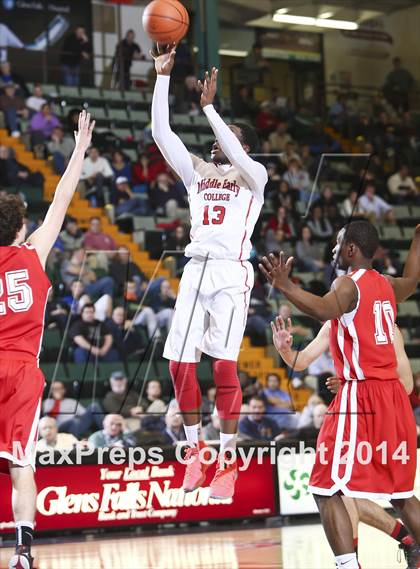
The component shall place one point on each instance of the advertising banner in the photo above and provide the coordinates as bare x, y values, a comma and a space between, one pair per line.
93, 495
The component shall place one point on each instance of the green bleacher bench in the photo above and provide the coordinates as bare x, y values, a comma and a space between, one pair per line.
181, 120
391, 232
415, 364
112, 95
49, 369
401, 211
72, 92
140, 116
119, 115
409, 308
123, 133
91, 93
134, 96
97, 112
144, 223
189, 138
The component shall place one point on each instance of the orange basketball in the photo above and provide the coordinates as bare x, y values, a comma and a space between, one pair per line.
165, 21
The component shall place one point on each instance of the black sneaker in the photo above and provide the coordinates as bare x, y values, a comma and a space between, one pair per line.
21, 560
411, 552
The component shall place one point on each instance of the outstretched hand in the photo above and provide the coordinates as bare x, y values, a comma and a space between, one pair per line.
276, 270
83, 136
282, 334
208, 87
333, 384
164, 56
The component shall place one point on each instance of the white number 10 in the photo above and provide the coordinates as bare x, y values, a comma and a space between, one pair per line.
384, 308
19, 293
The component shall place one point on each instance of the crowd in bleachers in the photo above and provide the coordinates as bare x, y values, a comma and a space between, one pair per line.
104, 310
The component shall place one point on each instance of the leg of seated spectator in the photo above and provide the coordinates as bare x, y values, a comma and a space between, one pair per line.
103, 307
110, 357
147, 318
171, 208
80, 355
12, 120
92, 418
102, 286
165, 317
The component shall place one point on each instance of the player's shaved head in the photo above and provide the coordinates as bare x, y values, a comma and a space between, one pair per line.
12, 212
364, 235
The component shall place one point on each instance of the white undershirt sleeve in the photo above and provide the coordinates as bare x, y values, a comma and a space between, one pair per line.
171, 146
253, 172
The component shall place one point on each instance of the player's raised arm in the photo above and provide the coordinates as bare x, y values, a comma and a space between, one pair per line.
236, 152
44, 238
340, 300
170, 145
298, 359
406, 285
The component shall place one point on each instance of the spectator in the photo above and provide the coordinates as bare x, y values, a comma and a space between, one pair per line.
310, 432
123, 269
284, 197
35, 102
122, 399
60, 148
249, 385
328, 202
266, 121
95, 239
77, 269
279, 138
13, 107
351, 206
322, 365
189, 97
259, 313
319, 224
174, 429
76, 49
300, 332
154, 407
15, 174
98, 176
71, 416
71, 236
166, 197
113, 434
43, 124
51, 439
163, 304
308, 253
415, 400
374, 207
306, 417
147, 169
141, 316
126, 341
275, 241
256, 425
402, 186
279, 222
127, 202
7, 75
121, 166
211, 431
92, 337
298, 179
278, 403
255, 65
243, 104
398, 84
183, 62
177, 241
289, 154
126, 51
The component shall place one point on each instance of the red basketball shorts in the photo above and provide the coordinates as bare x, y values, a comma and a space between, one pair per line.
367, 445
21, 387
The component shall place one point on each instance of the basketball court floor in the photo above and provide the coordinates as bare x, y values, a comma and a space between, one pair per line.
289, 547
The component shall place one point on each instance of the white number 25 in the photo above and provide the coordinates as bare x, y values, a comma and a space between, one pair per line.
19, 293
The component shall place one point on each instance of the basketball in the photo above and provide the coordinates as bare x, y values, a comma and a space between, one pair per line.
166, 21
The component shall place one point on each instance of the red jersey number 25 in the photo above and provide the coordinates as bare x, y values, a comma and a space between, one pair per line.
18, 292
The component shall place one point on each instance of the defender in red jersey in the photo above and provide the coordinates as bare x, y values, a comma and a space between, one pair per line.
367, 444
24, 288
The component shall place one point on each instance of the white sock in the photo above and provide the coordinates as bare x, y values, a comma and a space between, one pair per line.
192, 433
347, 561
227, 441
25, 524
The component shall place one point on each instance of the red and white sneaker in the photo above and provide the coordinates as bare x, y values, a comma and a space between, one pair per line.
195, 472
222, 486
21, 560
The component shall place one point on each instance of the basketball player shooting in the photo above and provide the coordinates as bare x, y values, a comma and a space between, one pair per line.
24, 289
225, 196
368, 442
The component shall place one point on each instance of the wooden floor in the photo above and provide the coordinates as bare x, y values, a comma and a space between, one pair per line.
290, 547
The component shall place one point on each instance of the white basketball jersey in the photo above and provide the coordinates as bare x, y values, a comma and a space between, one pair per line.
223, 210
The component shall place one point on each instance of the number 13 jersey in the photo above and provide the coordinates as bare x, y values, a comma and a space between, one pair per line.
362, 342
223, 212
24, 288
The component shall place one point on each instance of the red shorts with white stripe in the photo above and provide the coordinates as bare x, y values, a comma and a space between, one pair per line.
21, 387
367, 445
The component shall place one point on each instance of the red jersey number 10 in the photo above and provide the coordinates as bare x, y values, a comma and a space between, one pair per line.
217, 219
19, 293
